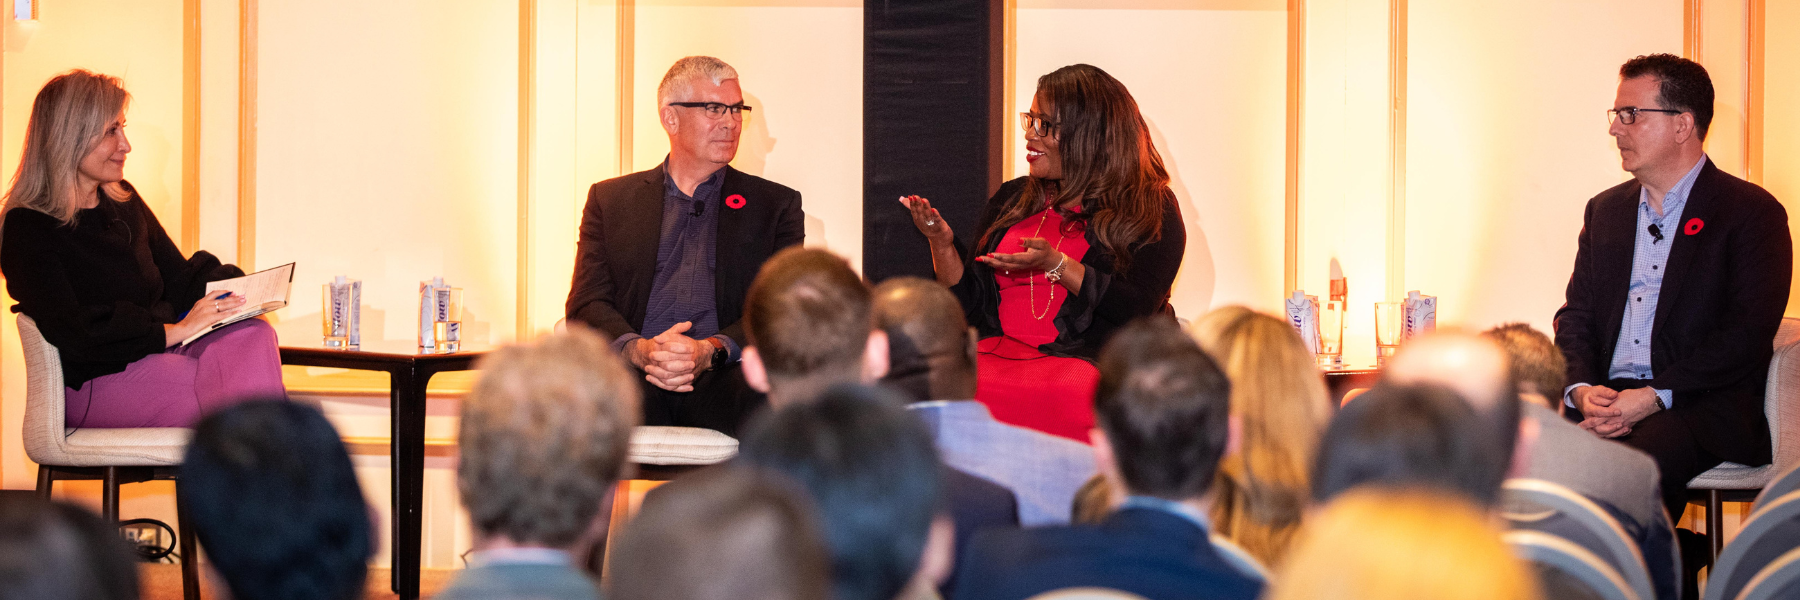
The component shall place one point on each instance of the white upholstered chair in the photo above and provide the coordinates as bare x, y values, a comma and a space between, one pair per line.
113, 456
1732, 482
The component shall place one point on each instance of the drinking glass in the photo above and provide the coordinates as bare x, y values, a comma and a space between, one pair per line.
1389, 327
447, 327
1331, 335
336, 319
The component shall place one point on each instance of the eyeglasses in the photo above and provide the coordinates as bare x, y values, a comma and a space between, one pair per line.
716, 110
1037, 125
1629, 114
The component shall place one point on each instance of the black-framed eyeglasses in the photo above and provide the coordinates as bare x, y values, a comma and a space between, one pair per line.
1036, 124
1629, 114
716, 110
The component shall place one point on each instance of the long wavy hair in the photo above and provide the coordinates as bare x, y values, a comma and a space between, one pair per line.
1110, 167
68, 119
1280, 401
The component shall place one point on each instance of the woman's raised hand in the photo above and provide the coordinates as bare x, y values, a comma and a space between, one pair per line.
1038, 256
927, 219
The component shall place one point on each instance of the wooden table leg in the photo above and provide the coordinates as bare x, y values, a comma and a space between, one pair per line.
408, 455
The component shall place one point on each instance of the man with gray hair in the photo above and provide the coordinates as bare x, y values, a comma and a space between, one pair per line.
666, 256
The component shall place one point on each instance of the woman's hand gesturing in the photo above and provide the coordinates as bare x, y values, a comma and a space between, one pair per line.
927, 219
1038, 256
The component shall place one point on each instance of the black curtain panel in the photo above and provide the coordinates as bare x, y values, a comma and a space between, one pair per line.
932, 122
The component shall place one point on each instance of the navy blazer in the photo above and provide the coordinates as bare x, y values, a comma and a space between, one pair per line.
976, 505
615, 258
1147, 552
1721, 302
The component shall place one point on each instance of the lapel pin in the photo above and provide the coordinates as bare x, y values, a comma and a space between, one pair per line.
736, 201
1693, 226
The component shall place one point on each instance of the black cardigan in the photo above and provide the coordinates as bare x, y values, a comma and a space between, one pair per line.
1107, 300
102, 289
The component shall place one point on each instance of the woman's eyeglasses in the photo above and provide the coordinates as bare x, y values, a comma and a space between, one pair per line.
1037, 125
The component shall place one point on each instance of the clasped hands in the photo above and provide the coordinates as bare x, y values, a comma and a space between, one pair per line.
671, 360
1612, 413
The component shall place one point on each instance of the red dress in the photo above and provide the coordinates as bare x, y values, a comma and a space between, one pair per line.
1019, 383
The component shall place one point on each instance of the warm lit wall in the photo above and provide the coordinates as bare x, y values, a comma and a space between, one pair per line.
1507, 140
1781, 125
1209, 78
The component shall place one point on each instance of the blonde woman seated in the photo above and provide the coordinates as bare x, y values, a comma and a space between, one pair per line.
1279, 403
1376, 543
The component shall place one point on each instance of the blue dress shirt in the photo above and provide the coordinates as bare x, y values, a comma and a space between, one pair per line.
1043, 471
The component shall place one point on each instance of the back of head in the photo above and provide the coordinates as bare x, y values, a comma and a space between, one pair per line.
1684, 86
1163, 405
930, 353
68, 118
53, 551
1416, 436
873, 474
1534, 363
723, 534
807, 315
270, 492
544, 435
1402, 544
1477, 371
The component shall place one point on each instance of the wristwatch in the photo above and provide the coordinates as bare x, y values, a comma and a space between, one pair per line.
720, 354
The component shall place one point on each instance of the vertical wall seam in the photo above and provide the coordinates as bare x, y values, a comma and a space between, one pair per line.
527, 123
1396, 209
1296, 73
190, 126
625, 54
1753, 106
247, 25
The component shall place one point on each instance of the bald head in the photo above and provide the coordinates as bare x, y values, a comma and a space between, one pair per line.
930, 353
1467, 364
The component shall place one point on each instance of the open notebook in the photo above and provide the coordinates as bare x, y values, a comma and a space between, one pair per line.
263, 291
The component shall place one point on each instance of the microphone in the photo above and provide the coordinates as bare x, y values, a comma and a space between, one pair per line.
1655, 232
700, 207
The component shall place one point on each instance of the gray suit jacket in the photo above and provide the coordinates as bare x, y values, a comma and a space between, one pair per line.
521, 581
1600, 469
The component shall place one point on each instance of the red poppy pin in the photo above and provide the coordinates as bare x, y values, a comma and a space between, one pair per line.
1693, 226
736, 201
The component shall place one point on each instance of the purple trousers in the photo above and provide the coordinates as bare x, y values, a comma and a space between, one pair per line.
182, 384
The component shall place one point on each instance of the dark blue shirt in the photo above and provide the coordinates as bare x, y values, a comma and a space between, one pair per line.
685, 252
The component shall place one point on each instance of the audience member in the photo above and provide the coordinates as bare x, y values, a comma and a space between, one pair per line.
933, 360
270, 492
53, 551
1402, 544
808, 318
543, 438
1477, 371
1619, 478
723, 534
1094, 502
1281, 408
873, 473
1162, 408
1410, 436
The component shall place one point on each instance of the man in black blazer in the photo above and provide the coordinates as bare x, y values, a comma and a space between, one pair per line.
1162, 407
1680, 282
667, 255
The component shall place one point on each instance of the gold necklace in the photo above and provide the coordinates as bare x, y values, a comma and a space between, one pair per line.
1031, 282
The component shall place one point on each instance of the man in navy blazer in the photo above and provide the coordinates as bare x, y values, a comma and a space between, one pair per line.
1162, 407
1680, 281
666, 255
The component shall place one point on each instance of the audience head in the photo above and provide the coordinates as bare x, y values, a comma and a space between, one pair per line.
931, 351
1161, 406
53, 551
1414, 436
271, 495
807, 317
1402, 544
873, 474
694, 132
723, 534
1280, 407
1477, 371
1091, 147
1534, 364
74, 141
543, 438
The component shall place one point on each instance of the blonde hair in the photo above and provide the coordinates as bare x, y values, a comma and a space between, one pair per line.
68, 118
1280, 402
544, 436
1402, 544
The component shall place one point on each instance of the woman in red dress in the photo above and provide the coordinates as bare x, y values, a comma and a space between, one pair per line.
1088, 242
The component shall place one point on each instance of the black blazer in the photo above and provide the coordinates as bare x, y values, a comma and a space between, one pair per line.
1107, 300
1721, 302
102, 289
615, 259
1146, 552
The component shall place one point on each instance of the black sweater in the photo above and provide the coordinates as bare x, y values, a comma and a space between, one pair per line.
101, 290
1107, 300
